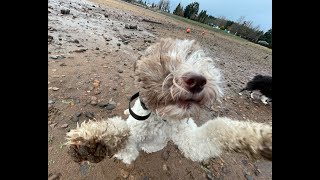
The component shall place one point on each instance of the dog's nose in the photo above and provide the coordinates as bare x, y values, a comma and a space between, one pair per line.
194, 82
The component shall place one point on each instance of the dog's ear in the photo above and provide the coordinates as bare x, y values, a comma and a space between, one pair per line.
135, 62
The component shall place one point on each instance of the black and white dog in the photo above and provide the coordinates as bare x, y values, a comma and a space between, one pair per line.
260, 83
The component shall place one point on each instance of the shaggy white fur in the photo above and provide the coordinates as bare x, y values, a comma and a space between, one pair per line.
197, 143
163, 76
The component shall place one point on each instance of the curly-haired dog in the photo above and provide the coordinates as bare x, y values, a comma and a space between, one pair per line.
260, 83
176, 79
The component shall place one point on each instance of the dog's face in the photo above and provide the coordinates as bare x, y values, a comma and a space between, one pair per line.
176, 79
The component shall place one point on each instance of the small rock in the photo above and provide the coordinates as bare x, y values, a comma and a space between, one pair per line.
165, 155
55, 88
64, 125
129, 26
76, 41
53, 125
257, 172
78, 114
93, 103
248, 177
97, 48
165, 167
107, 38
244, 162
96, 83
110, 106
54, 176
54, 57
103, 104
147, 40
63, 64
266, 57
65, 11
75, 118
124, 173
89, 115
210, 176
229, 85
106, 15
50, 102
84, 168
93, 98
97, 92
225, 170
118, 44
80, 50
120, 71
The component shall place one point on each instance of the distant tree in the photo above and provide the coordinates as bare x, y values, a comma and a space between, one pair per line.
254, 33
241, 20
234, 28
160, 4
191, 11
179, 10
267, 37
202, 17
228, 24
164, 5
210, 20
221, 21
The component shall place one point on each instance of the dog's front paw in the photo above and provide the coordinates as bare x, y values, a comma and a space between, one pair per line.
95, 140
92, 151
265, 148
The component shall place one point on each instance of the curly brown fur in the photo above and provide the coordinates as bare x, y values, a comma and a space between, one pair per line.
159, 75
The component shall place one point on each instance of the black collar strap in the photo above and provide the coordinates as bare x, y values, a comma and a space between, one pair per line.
137, 117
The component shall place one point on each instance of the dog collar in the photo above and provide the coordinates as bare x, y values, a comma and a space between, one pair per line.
137, 117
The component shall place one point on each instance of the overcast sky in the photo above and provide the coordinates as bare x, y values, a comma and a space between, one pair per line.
258, 11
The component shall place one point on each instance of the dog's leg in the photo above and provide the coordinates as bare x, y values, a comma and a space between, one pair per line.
264, 99
223, 134
240, 93
95, 140
130, 152
251, 94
